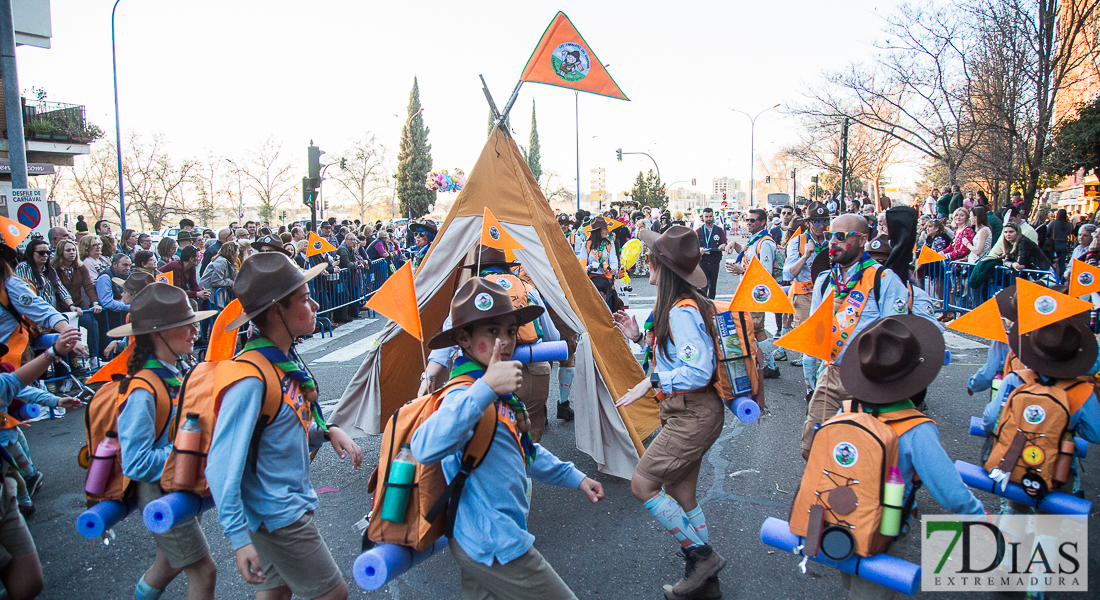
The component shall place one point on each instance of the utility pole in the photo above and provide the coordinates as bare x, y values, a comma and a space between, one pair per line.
17, 149
843, 162
794, 188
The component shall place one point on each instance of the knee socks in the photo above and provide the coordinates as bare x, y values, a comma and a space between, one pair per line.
698, 522
672, 517
20, 458
565, 382
144, 591
766, 350
809, 371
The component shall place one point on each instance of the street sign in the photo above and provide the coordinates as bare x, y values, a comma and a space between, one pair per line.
30, 209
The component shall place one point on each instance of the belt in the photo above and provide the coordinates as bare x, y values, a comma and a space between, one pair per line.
661, 395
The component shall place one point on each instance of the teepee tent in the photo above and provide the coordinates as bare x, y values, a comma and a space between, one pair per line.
606, 369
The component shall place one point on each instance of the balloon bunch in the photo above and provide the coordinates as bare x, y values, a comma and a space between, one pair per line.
442, 181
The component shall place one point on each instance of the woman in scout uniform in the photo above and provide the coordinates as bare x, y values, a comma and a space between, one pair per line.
602, 261
164, 329
759, 247
490, 541
691, 412
803, 251
266, 509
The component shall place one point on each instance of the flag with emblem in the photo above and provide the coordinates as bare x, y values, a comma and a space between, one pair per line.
494, 235
14, 232
928, 255
396, 300
117, 366
166, 277
984, 322
223, 342
318, 245
813, 336
1084, 279
564, 59
1039, 306
758, 292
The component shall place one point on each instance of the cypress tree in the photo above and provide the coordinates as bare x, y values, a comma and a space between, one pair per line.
414, 161
533, 154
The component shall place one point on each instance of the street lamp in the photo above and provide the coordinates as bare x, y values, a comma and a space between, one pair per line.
118, 132
394, 198
752, 142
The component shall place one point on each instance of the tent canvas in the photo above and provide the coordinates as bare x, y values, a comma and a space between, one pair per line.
606, 369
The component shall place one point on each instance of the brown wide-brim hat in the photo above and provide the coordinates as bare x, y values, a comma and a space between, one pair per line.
488, 256
678, 249
1063, 349
815, 211
137, 281
479, 300
159, 307
425, 226
1006, 303
893, 359
879, 248
7, 253
597, 223
271, 241
264, 279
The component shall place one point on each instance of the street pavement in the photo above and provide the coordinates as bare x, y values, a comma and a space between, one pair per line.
613, 549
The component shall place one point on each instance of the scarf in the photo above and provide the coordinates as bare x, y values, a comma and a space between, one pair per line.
294, 368
170, 379
465, 366
755, 238
841, 291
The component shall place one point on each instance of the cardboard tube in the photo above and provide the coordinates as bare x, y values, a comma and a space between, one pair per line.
541, 352
883, 569
166, 512
976, 429
1055, 503
385, 562
103, 516
745, 408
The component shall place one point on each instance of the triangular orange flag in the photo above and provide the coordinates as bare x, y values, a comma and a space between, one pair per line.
510, 256
797, 232
813, 336
984, 322
1084, 279
117, 366
13, 231
223, 342
494, 235
928, 255
564, 59
758, 292
166, 277
1039, 306
612, 224
396, 299
318, 245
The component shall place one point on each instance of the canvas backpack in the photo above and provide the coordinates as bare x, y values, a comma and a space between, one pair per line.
517, 290
745, 336
202, 391
101, 416
1033, 420
843, 484
432, 501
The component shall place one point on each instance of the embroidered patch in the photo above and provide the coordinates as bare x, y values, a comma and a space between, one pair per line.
494, 233
25, 299
689, 353
1045, 305
483, 301
504, 283
1085, 279
761, 294
1033, 455
856, 296
875, 245
716, 238
1035, 414
900, 306
845, 454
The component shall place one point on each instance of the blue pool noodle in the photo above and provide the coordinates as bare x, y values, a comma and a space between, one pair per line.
541, 352
1055, 503
883, 569
383, 563
103, 516
44, 341
977, 430
166, 512
745, 408
28, 412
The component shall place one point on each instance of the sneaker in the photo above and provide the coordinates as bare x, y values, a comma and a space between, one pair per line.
27, 510
779, 354
33, 482
711, 590
796, 362
701, 563
565, 411
771, 373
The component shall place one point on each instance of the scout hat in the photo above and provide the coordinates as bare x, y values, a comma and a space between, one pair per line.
895, 358
1062, 349
488, 256
184, 235
597, 223
678, 249
879, 248
477, 300
1006, 302
425, 227
264, 279
159, 307
272, 241
135, 282
7, 253
815, 211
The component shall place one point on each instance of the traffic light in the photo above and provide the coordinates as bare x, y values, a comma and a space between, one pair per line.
326, 204
619, 152
314, 161
692, 181
723, 195
284, 215
813, 179
309, 190
768, 179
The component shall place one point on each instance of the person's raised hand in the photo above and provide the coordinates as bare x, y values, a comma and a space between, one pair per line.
66, 341
503, 376
627, 324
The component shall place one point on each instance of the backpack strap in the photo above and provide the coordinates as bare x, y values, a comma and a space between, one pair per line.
272, 399
147, 380
1078, 391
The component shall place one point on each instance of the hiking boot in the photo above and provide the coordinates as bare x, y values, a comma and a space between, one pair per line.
33, 482
701, 563
779, 354
26, 510
711, 590
771, 372
565, 412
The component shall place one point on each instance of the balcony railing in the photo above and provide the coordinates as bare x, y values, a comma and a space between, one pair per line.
57, 122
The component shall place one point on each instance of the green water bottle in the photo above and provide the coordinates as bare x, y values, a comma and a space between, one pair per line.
402, 471
893, 497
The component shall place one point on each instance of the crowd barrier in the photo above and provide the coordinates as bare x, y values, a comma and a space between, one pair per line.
948, 283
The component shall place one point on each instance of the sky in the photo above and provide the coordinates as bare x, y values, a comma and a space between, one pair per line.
222, 76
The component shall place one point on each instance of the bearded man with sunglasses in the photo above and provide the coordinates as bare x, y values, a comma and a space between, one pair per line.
761, 247
861, 292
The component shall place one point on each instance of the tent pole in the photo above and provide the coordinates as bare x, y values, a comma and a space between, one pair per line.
577, 107
511, 101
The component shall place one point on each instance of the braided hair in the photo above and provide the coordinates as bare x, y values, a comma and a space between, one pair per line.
143, 349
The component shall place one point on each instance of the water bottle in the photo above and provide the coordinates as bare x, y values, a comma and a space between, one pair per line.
402, 470
893, 497
1063, 465
188, 444
103, 463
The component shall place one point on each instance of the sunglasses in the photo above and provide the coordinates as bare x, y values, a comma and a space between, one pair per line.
751, 220
819, 222
843, 236
42, 252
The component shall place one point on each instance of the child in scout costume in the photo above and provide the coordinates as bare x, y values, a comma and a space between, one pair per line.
803, 251
601, 260
267, 509
131, 287
760, 247
490, 541
990, 374
691, 412
165, 329
892, 359
850, 286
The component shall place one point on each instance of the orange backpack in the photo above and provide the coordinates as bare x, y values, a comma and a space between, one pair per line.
517, 289
735, 337
101, 416
843, 484
1033, 420
425, 519
202, 391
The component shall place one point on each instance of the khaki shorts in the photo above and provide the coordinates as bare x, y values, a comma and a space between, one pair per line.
528, 576
296, 557
801, 304
826, 400
181, 545
692, 423
533, 391
15, 538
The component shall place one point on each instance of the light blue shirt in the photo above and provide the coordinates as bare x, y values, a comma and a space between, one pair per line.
107, 295
36, 395
690, 362
1085, 423
10, 387
446, 356
925, 306
792, 257
25, 302
920, 451
995, 358
491, 521
143, 451
279, 492
893, 299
